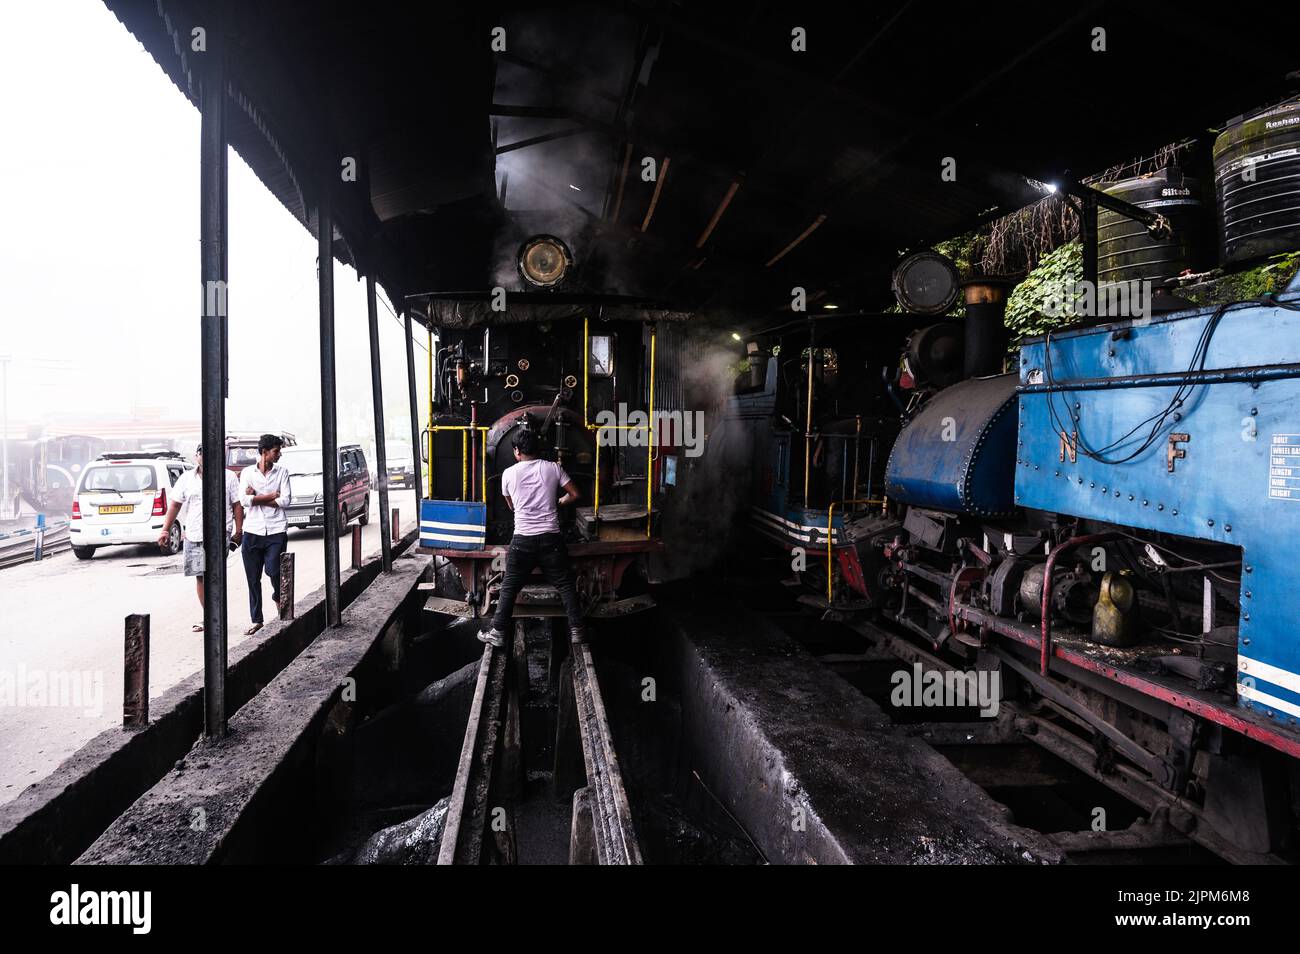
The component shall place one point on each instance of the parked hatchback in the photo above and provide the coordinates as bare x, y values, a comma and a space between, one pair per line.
122, 499
306, 507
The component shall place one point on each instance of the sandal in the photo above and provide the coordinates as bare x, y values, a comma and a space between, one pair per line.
252, 629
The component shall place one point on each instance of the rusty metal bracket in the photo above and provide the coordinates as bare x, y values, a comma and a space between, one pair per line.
1175, 452
135, 680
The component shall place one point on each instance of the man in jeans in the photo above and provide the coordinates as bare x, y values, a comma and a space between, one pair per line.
266, 492
531, 487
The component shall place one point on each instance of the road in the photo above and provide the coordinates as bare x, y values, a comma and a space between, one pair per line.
61, 632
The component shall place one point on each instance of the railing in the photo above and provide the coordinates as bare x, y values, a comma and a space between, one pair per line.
34, 543
465, 430
598, 428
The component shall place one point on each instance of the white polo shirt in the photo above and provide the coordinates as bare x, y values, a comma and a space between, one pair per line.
188, 492
264, 519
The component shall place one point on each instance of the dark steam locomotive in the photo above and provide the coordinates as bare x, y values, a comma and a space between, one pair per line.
1109, 528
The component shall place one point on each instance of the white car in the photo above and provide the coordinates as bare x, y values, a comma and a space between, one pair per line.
123, 499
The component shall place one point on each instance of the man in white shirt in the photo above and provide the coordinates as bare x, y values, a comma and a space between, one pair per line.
188, 495
265, 493
531, 488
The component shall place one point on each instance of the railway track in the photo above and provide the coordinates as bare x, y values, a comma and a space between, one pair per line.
20, 547
1037, 758
490, 782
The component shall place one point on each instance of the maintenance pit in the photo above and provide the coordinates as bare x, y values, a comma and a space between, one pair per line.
731, 742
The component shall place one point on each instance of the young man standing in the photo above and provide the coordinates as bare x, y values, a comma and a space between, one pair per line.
188, 493
266, 492
531, 487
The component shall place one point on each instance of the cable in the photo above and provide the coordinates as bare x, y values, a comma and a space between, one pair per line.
1158, 420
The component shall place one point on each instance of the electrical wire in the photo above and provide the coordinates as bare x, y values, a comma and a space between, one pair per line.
1160, 419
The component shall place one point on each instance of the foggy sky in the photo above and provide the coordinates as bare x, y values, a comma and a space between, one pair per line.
99, 288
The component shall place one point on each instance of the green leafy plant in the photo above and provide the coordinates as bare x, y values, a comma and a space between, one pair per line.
1055, 270
1266, 278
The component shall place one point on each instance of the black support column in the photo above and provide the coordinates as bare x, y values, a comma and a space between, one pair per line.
328, 403
381, 452
213, 234
1088, 236
415, 421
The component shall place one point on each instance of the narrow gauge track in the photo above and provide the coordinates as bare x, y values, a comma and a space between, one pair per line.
488, 786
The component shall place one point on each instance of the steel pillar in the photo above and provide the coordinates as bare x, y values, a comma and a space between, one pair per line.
328, 403
213, 235
377, 399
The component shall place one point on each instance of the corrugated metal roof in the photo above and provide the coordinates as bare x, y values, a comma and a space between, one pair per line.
849, 134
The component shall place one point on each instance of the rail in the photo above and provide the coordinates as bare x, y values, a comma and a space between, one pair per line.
25, 546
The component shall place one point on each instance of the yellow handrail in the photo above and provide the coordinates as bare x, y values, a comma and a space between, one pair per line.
830, 520
597, 428
464, 456
650, 441
807, 428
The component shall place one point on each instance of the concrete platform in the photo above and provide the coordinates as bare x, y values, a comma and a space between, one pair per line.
249, 797
56, 819
815, 771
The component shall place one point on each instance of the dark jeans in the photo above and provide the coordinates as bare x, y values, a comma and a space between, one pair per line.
262, 552
548, 551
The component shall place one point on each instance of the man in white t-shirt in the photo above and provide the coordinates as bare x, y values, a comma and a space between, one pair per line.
265, 492
531, 487
188, 495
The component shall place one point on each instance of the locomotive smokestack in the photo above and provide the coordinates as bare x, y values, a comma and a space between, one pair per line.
986, 334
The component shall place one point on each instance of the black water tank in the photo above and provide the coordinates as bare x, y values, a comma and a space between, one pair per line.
1257, 178
1127, 252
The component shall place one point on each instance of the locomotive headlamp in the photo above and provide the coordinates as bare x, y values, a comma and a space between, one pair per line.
544, 261
925, 283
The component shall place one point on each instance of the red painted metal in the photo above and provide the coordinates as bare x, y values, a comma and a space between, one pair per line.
851, 568
1198, 703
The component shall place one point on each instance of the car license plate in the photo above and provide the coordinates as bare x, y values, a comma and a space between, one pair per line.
116, 508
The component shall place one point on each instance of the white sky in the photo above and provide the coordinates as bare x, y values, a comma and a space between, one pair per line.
99, 250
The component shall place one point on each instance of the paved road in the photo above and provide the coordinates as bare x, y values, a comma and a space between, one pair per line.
61, 625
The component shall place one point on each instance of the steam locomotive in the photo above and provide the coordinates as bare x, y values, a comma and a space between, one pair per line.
1109, 527
552, 363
